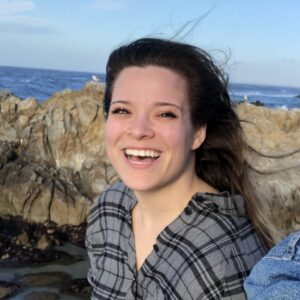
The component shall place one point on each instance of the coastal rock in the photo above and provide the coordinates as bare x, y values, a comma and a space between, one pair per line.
7, 289
42, 195
4, 94
14, 116
274, 157
271, 131
43, 243
22, 239
7, 153
28, 244
53, 279
67, 133
28, 107
62, 165
258, 103
80, 286
42, 296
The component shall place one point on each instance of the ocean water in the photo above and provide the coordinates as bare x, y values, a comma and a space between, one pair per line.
270, 96
41, 84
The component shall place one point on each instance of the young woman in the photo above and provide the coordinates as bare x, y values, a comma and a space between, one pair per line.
183, 222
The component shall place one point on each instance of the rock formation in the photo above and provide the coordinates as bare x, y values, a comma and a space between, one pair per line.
53, 165
52, 161
276, 176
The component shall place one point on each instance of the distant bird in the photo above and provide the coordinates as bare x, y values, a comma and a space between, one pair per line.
95, 78
246, 98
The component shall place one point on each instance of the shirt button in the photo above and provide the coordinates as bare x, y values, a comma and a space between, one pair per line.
200, 198
188, 211
155, 248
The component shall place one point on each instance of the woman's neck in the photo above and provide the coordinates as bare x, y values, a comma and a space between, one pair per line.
165, 204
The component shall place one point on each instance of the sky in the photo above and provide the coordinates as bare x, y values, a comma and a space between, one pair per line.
256, 40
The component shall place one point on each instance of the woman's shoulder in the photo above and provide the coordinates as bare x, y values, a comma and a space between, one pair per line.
111, 208
226, 223
116, 197
118, 186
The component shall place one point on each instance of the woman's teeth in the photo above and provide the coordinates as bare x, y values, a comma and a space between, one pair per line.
142, 153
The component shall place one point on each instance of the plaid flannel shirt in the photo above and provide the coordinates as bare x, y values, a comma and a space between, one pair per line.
205, 253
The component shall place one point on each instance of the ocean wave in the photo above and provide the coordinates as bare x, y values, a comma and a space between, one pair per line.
260, 94
283, 107
26, 80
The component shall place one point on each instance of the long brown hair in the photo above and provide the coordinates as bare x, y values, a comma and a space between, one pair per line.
220, 161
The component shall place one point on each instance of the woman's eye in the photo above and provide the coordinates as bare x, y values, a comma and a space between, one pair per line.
169, 115
119, 111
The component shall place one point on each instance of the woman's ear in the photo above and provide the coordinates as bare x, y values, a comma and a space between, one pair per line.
199, 137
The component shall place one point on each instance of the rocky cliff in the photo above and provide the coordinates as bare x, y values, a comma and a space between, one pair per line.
275, 135
52, 161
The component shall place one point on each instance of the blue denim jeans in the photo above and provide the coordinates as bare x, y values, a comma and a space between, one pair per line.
277, 275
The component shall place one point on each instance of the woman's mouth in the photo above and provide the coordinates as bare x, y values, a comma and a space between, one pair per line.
141, 156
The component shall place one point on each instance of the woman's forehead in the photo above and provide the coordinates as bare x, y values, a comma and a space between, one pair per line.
153, 83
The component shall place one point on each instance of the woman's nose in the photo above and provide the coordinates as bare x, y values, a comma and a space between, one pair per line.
140, 128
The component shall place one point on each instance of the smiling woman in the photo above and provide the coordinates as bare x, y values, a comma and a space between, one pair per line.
149, 136
183, 223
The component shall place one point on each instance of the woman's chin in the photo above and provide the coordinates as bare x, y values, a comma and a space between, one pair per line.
141, 185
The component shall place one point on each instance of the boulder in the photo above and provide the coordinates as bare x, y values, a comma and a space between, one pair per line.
274, 156
53, 279
7, 289
4, 94
28, 107
52, 162
67, 131
41, 194
44, 295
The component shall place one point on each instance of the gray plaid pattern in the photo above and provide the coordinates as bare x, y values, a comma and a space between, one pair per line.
206, 253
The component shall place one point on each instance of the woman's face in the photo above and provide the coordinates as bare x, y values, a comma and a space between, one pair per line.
149, 136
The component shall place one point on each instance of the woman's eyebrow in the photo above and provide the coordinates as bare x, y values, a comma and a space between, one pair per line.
168, 104
120, 102
127, 102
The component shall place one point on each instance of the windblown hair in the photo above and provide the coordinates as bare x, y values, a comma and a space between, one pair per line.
220, 160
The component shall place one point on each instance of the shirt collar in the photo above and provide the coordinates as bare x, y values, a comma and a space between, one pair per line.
223, 202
